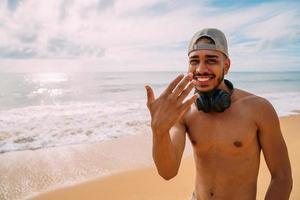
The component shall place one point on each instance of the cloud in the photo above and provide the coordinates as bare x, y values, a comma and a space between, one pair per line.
61, 47
17, 52
97, 35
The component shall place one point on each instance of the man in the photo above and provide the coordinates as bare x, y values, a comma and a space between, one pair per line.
227, 127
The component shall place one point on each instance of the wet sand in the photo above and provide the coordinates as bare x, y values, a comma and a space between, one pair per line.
24, 173
119, 169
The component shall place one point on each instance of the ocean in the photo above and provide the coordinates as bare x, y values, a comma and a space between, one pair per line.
54, 109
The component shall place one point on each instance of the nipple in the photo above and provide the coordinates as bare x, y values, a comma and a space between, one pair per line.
238, 144
193, 142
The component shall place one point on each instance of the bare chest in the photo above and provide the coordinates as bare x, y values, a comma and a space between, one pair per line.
228, 133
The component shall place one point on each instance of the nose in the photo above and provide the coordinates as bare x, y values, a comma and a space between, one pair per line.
202, 68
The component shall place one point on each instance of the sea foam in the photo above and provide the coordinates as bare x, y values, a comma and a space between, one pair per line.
45, 126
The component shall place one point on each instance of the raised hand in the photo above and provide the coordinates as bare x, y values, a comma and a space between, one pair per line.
169, 106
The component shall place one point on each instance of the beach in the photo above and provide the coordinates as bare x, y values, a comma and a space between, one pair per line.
91, 132
117, 169
75, 97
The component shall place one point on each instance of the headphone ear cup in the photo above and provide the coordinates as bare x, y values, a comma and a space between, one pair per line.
220, 101
203, 103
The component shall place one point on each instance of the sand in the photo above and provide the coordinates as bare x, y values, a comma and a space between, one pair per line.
24, 173
119, 169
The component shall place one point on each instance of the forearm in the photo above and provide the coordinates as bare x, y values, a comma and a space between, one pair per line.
164, 155
279, 189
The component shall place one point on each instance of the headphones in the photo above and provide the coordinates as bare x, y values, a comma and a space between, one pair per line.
217, 100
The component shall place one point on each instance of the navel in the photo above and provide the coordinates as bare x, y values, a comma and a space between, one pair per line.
211, 193
238, 144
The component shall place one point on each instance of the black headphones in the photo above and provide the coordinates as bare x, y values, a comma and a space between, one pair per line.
217, 100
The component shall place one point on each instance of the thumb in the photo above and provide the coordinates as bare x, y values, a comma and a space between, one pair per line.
150, 95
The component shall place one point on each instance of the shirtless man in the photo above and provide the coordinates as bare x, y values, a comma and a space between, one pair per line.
227, 137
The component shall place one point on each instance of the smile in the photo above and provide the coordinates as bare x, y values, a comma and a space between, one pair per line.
201, 79
204, 78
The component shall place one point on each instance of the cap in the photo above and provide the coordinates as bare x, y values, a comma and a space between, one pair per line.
216, 35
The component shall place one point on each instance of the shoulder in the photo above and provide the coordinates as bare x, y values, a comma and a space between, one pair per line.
249, 99
260, 108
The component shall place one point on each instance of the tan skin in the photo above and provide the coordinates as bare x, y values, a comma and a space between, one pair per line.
226, 145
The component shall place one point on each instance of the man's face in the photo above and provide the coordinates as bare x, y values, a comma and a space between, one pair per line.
208, 68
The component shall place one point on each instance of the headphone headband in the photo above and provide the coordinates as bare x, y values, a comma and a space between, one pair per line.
228, 84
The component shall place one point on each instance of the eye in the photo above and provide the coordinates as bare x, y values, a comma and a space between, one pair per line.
211, 61
194, 62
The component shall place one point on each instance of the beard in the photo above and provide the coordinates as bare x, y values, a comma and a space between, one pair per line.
219, 81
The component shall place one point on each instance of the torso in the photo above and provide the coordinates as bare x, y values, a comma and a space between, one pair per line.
226, 150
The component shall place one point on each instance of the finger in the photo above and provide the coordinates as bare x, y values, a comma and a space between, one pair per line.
150, 95
185, 92
195, 82
190, 75
180, 87
173, 84
186, 105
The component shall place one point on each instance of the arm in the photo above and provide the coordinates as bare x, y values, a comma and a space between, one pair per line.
167, 127
168, 149
275, 153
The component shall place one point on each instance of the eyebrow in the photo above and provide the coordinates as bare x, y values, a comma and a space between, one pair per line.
194, 57
211, 56
206, 56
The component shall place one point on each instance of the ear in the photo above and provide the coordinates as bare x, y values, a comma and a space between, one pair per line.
226, 65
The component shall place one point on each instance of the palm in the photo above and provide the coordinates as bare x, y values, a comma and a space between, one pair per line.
169, 106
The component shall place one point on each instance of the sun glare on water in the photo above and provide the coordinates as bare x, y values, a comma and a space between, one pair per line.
48, 78
47, 84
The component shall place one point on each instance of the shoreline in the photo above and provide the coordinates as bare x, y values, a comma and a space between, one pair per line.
55, 167
32, 172
75, 171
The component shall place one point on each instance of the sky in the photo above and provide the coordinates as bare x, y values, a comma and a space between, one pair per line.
144, 35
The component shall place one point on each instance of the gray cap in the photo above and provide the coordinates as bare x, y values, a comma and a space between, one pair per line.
216, 35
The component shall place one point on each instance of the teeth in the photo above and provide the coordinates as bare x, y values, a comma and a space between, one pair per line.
203, 79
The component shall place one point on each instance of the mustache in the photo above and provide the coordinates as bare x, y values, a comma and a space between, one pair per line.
204, 74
